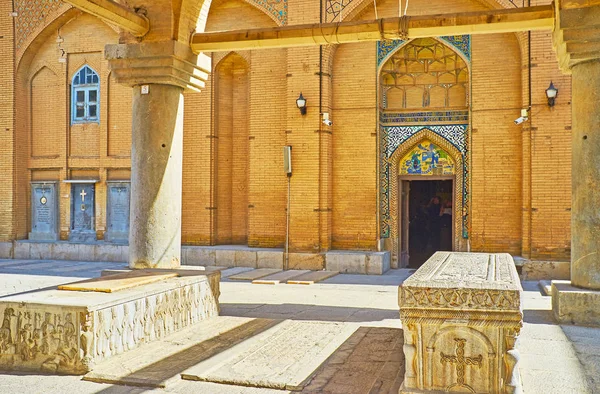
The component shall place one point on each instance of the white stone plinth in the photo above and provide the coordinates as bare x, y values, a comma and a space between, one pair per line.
461, 314
63, 331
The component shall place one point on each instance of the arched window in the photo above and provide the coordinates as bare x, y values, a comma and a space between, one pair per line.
85, 96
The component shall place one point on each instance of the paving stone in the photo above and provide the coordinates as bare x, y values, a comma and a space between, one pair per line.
226, 273
312, 277
254, 274
283, 357
279, 277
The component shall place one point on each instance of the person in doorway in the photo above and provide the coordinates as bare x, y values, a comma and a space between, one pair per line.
434, 209
446, 226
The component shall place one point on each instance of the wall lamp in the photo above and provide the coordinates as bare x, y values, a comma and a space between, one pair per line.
301, 104
551, 93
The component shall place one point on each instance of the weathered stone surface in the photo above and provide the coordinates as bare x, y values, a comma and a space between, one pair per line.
461, 314
21, 250
245, 258
312, 277
65, 251
378, 263
198, 255
225, 257
44, 212
117, 212
254, 274
6, 250
546, 270
269, 259
40, 251
346, 262
67, 332
574, 305
107, 252
306, 261
279, 277
283, 357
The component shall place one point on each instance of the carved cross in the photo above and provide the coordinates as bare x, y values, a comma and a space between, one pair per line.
83, 194
461, 361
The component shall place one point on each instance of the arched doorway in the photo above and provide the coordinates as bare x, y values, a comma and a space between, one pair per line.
426, 181
423, 99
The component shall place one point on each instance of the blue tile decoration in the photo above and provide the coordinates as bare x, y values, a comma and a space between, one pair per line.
277, 8
461, 43
424, 116
391, 137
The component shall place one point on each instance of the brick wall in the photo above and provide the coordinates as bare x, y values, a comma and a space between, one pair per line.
237, 192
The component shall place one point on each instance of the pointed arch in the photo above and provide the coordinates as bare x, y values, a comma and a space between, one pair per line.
232, 97
85, 95
459, 181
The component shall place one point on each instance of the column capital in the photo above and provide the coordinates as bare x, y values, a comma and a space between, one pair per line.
576, 34
162, 62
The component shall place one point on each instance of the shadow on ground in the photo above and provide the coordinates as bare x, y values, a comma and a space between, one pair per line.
308, 312
370, 361
158, 373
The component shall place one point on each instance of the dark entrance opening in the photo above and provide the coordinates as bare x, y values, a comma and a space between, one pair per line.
430, 225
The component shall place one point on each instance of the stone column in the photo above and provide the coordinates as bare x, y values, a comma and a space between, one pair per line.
585, 210
578, 301
156, 173
166, 68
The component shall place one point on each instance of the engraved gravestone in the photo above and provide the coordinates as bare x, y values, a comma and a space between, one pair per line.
82, 213
461, 314
118, 212
44, 212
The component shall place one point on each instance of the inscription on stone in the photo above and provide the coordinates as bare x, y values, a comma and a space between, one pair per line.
118, 212
82, 212
44, 212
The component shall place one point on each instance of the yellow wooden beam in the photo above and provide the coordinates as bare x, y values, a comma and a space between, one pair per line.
114, 13
492, 21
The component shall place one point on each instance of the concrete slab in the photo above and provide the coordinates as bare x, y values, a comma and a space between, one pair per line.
283, 357
280, 277
312, 277
254, 274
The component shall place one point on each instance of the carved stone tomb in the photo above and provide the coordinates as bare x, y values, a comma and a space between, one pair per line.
461, 314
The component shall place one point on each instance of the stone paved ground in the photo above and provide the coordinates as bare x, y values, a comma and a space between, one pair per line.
554, 359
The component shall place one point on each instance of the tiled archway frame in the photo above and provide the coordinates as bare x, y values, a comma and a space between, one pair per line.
399, 141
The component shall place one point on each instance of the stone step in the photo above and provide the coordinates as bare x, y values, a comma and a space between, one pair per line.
312, 277
254, 274
279, 277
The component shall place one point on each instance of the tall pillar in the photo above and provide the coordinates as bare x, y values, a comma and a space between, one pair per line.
166, 68
578, 301
585, 216
156, 174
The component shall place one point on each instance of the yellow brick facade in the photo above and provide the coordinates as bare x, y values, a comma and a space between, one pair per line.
235, 190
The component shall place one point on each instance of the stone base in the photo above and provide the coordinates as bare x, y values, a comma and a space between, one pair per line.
545, 270
343, 261
358, 262
60, 331
573, 305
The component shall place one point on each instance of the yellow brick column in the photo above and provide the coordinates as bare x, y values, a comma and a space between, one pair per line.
7, 151
310, 203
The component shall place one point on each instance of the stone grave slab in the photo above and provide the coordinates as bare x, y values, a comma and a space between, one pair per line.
117, 212
82, 213
283, 357
461, 314
119, 281
279, 277
44, 212
312, 277
254, 274
56, 331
